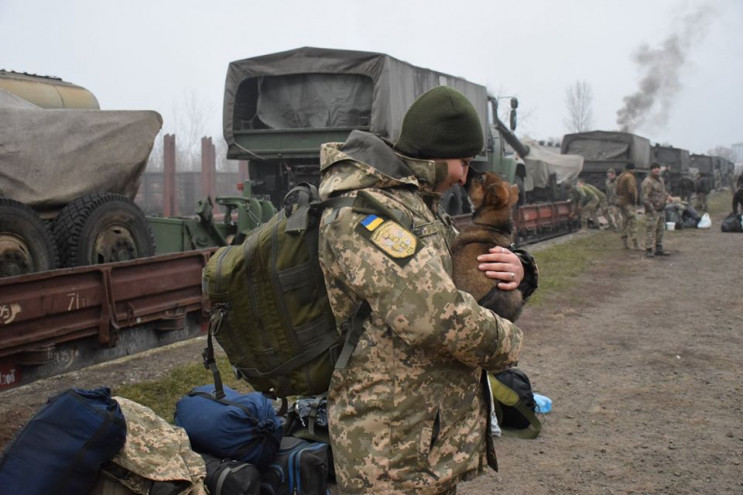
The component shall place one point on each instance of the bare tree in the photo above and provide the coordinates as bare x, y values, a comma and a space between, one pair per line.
724, 152
579, 100
190, 127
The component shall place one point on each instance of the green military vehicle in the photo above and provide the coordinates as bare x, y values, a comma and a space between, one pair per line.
280, 108
702, 164
675, 163
603, 150
69, 173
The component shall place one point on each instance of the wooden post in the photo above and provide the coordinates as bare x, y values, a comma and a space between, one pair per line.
170, 201
208, 168
242, 169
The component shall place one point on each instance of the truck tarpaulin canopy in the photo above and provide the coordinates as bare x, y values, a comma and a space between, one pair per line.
607, 145
50, 157
541, 162
674, 158
326, 88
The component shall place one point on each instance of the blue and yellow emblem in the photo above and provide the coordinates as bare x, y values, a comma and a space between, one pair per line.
390, 237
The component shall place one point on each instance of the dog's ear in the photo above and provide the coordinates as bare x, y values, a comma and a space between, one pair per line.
497, 193
514, 195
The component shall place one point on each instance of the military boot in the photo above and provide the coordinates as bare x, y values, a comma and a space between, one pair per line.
659, 251
625, 244
649, 252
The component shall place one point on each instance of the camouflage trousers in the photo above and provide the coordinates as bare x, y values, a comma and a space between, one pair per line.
701, 203
614, 216
603, 210
629, 222
655, 225
589, 211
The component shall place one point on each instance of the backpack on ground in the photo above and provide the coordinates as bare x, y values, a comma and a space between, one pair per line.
61, 448
732, 223
300, 467
514, 404
243, 427
269, 306
231, 477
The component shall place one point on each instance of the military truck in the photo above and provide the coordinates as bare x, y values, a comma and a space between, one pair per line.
280, 108
675, 163
701, 163
69, 173
603, 150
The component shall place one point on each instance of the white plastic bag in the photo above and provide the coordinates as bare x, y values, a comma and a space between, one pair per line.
705, 222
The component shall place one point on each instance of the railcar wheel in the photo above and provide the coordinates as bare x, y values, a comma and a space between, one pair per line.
26, 243
102, 228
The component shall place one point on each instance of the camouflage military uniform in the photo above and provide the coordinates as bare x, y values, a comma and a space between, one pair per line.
407, 414
585, 203
615, 214
702, 190
627, 199
654, 199
603, 205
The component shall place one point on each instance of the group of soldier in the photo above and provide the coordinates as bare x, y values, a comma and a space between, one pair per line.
618, 206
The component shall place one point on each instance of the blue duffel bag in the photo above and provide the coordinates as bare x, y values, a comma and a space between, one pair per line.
244, 427
61, 448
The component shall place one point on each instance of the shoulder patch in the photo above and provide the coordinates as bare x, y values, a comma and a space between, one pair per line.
389, 236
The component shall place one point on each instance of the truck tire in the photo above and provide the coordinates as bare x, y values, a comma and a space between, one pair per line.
102, 228
26, 243
455, 201
519, 181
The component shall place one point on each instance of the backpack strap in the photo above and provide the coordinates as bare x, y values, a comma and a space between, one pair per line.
298, 216
207, 354
354, 328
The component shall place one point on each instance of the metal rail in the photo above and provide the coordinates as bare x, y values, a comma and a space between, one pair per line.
42, 311
97, 309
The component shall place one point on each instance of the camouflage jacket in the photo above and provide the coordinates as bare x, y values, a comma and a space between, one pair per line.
596, 192
626, 189
157, 456
653, 193
611, 191
407, 413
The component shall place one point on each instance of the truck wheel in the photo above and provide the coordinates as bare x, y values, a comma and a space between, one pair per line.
452, 200
522, 194
26, 243
101, 228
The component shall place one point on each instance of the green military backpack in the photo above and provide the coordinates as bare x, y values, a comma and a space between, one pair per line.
269, 306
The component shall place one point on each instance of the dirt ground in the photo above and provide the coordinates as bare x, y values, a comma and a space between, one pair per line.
642, 361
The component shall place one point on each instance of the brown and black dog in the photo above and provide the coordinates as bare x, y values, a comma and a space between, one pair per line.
492, 225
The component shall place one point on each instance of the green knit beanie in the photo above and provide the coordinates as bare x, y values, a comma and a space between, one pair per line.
441, 123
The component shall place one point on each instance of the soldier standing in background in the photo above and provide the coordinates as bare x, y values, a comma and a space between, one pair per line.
408, 413
738, 198
615, 215
702, 189
627, 199
654, 198
686, 187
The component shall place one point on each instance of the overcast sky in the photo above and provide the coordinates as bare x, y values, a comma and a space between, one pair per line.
165, 55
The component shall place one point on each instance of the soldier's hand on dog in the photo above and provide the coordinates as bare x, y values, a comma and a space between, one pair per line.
501, 264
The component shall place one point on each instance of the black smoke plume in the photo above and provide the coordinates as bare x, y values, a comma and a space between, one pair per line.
660, 70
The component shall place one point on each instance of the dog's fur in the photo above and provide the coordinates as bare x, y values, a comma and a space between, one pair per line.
492, 225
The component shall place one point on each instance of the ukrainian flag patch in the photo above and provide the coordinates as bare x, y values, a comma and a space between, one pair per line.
371, 222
